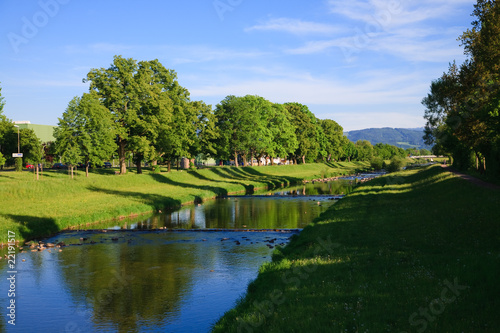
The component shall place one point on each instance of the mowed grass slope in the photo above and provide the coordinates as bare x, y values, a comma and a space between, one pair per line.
416, 251
40, 208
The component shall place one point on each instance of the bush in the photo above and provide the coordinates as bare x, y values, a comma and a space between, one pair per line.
19, 164
377, 163
396, 164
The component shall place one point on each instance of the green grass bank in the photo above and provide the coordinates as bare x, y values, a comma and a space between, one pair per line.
415, 251
34, 209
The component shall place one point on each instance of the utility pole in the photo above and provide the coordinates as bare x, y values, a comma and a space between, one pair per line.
18, 145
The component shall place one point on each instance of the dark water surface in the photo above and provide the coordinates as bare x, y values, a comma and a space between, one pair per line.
170, 272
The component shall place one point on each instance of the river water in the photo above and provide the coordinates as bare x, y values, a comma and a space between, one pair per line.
171, 272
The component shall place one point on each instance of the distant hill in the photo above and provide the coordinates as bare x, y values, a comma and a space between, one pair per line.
400, 137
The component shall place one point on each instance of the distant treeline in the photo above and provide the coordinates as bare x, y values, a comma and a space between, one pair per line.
139, 109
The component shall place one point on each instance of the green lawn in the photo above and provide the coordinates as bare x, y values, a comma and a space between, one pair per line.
35, 209
416, 251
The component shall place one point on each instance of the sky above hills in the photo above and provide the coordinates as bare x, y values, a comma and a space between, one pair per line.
362, 63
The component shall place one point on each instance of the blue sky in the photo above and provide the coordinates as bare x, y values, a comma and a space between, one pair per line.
362, 63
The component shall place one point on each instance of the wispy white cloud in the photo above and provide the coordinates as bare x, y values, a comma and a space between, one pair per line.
360, 120
202, 53
316, 46
397, 28
295, 26
369, 90
395, 12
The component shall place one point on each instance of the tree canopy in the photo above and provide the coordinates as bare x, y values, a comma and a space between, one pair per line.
463, 106
85, 133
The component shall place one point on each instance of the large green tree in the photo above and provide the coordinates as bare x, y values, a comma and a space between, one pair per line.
284, 141
333, 133
86, 128
306, 132
236, 123
463, 107
31, 147
206, 130
143, 99
364, 149
253, 127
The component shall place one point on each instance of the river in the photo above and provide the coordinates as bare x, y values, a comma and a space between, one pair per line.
170, 272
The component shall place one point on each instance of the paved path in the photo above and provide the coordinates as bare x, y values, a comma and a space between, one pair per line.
472, 179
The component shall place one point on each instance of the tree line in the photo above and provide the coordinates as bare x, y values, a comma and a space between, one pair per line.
463, 106
13, 139
139, 108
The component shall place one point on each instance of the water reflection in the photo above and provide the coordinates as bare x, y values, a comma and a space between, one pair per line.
280, 209
148, 275
126, 281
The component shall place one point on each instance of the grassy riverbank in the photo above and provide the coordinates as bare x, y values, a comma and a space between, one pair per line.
40, 208
409, 252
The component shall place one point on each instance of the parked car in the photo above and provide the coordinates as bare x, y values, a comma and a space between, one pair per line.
59, 166
107, 165
29, 166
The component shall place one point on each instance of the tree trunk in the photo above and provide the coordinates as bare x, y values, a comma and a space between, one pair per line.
244, 160
304, 159
235, 159
121, 156
37, 175
169, 165
272, 161
251, 160
138, 162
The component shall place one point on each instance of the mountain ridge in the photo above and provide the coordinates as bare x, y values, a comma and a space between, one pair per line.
400, 137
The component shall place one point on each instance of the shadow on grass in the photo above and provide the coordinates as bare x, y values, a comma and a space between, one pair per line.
156, 201
249, 189
34, 227
218, 191
249, 173
399, 250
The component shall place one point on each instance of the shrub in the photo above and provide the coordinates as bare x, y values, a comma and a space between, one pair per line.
377, 163
19, 164
396, 164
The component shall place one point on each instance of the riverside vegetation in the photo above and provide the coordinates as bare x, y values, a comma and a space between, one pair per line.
413, 251
35, 209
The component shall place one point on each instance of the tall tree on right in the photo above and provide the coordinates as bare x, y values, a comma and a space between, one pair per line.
463, 107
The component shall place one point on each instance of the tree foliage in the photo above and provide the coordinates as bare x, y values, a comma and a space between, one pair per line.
145, 100
463, 106
85, 133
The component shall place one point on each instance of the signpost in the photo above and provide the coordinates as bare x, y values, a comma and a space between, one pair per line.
17, 154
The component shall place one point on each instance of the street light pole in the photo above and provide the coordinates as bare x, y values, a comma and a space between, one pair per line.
18, 145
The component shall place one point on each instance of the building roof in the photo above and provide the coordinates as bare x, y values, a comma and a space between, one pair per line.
44, 132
